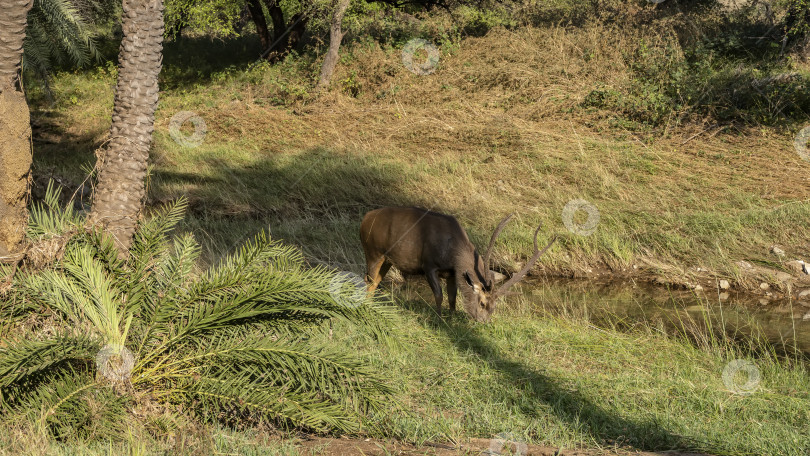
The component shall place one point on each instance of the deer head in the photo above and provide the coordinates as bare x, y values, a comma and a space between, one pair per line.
480, 295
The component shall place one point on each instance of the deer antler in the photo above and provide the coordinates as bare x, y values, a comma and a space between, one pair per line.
492, 240
520, 274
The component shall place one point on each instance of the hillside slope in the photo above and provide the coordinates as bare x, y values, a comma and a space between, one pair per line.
501, 126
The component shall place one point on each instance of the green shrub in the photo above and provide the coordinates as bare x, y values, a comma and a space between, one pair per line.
669, 82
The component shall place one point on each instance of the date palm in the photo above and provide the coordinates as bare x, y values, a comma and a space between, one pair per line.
15, 130
122, 164
62, 34
237, 340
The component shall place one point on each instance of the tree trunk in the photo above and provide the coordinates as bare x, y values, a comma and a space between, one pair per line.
335, 37
299, 25
256, 13
277, 16
120, 190
15, 132
279, 29
280, 41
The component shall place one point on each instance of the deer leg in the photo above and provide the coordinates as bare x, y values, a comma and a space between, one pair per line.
451, 293
381, 275
373, 276
384, 269
436, 286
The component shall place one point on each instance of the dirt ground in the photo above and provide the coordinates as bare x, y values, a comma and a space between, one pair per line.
340, 447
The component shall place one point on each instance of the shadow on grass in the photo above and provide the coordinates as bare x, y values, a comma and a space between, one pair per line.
317, 181
61, 154
314, 199
540, 388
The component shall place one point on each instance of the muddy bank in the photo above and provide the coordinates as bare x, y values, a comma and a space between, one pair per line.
778, 281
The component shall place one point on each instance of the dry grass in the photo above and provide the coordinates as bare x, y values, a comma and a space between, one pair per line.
498, 127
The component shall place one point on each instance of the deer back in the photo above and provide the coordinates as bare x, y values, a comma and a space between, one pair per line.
412, 238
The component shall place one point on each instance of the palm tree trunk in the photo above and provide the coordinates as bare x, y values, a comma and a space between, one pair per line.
335, 37
120, 190
15, 131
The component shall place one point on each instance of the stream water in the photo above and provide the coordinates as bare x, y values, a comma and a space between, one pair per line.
783, 323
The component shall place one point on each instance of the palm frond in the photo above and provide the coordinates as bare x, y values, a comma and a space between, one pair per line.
151, 238
149, 255
57, 34
327, 369
47, 219
303, 408
232, 339
71, 404
23, 360
83, 292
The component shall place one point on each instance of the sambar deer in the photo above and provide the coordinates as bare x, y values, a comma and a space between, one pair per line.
418, 241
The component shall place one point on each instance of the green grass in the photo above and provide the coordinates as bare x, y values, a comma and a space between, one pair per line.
566, 383
558, 381
498, 128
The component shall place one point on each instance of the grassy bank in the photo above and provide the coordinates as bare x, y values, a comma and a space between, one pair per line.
560, 382
500, 127
569, 384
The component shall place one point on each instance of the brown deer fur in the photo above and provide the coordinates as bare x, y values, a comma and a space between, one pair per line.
422, 242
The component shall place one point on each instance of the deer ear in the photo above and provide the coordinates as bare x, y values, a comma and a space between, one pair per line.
467, 278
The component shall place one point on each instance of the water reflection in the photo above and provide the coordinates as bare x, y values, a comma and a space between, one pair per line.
785, 324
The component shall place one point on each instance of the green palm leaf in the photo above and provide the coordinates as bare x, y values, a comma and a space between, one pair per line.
22, 359
58, 33
232, 340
